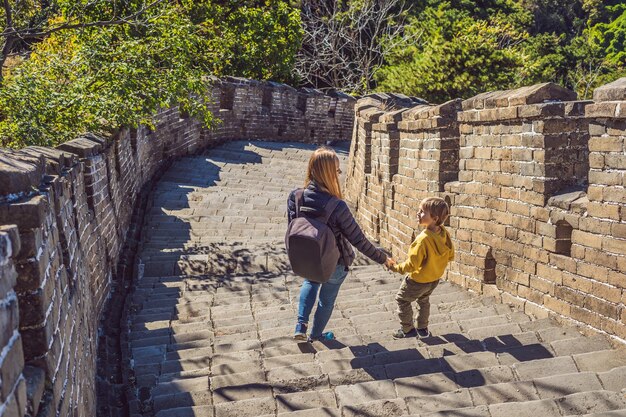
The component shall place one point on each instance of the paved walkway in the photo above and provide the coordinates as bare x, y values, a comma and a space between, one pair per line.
210, 324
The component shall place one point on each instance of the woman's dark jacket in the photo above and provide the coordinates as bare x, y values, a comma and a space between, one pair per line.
341, 222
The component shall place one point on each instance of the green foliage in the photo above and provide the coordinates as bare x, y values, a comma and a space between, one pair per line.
93, 73
467, 47
456, 55
611, 36
98, 79
566, 18
250, 41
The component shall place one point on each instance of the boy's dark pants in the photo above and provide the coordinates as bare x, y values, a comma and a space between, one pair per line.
414, 291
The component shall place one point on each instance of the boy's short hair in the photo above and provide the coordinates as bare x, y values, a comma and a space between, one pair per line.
436, 207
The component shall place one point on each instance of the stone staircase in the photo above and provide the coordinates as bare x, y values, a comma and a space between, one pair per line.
210, 321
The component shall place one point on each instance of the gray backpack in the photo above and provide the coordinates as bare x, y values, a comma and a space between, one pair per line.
311, 244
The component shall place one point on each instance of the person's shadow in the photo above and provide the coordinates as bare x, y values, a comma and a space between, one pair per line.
380, 363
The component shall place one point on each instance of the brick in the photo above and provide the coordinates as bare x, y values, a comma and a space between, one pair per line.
541, 285
602, 307
429, 404
563, 262
391, 407
556, 305
11, 365
587, 239
597, 257
617, 246
305, 400
592, 271
28, 214
601, 110
609, 211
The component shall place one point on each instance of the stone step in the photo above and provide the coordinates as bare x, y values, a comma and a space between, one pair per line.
307, 400
196, 411
390, 407
181, 385
594, 403
313, 412
182, 399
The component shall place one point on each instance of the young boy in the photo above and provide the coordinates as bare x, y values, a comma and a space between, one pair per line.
428, 257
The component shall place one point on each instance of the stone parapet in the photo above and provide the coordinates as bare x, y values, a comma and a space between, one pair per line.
536, 184
393, 135
77, 210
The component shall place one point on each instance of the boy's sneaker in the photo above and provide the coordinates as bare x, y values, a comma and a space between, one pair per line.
324, 337
423, 333
399, 334
300, 334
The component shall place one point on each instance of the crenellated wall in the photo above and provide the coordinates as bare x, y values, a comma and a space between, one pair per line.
77, 211
535, 180
386, 151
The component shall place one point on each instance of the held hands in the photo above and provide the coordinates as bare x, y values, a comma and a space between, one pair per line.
390, 262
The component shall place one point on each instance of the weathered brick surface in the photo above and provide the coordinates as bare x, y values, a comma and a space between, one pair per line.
78, 209
12, 381
537, 188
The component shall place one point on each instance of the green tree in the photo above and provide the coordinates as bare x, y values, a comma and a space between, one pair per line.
611, 36
251, 40
466, 47
599, 54
457, 55
26, 22
558, 17
100, 78
100, 65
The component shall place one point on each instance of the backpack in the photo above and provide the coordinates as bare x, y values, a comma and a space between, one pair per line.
311, 244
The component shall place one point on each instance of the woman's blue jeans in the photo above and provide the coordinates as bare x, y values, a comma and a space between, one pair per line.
326, 303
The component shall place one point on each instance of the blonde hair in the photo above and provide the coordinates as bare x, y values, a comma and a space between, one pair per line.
323, 171
436, 207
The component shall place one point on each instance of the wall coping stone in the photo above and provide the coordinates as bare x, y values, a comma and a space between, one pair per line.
533, 94
566, 198
371, 114
393, 116
615, 91
19, 171
84, 147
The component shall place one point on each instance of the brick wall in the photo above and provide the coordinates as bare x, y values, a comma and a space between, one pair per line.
13, 383
536, 183
77, 210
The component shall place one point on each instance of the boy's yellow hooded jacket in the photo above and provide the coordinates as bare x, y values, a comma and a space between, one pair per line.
428, 256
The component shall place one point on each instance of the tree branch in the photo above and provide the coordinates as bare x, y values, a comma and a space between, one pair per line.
25, 34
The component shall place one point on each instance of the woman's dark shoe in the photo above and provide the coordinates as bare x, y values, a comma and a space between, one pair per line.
300, 334
399, 334
324, 337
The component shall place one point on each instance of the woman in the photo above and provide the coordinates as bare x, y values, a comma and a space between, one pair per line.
322, 182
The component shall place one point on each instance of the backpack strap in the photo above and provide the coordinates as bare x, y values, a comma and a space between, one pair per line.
299, 199
330, 206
